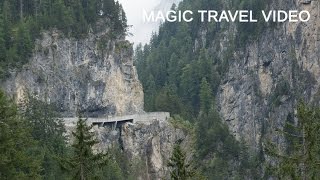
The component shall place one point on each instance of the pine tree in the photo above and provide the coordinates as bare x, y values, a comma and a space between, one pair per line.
301, 160
2, 42
18, 156
124, 20
23, 43
205, 64
217, 145
119, 19
49, 131
173, 70
2, 57
80, 24
109, 9
167, 100
206, 97
180, 169
91, 11
150, 92
190, 85
85, 164
7, 18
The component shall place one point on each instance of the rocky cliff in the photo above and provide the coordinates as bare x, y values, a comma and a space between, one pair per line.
150, 143
259, 92
94, 75
146, 145
268, 77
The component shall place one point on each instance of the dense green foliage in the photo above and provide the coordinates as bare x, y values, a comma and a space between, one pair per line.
221, 151
181, 72
180, 169
22, 21
33, 141
173, 66
84, 164
33, 146
48, 130
19, 157
301, 159
250, 31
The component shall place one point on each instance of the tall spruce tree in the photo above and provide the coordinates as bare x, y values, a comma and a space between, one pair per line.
206, 96
19, 158
180, 169
49, 131
24, 44
301, 159
85, 164
2, 41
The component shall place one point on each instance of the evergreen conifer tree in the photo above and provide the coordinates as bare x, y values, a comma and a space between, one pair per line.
301, 160
2, 41
18, 156
180, 169
206, 97
85, 164
49, 131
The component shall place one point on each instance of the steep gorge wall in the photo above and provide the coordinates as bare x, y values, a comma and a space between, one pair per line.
267, 79
94, 75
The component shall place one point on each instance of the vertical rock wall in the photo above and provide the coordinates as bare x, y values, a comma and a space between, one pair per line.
94, 75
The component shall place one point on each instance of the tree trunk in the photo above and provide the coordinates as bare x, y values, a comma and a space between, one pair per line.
21, 10
304, 155
81, 172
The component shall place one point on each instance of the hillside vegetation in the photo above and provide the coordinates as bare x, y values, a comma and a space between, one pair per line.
21, 23
181, 70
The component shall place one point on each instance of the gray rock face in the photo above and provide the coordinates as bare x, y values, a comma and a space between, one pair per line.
150, 142
266, 80
259, 93
147, 143
94, 75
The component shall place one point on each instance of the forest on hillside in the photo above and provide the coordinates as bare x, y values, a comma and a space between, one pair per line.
181, 72
183, 80
33, 145
170, 65
21, 23
33, 142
